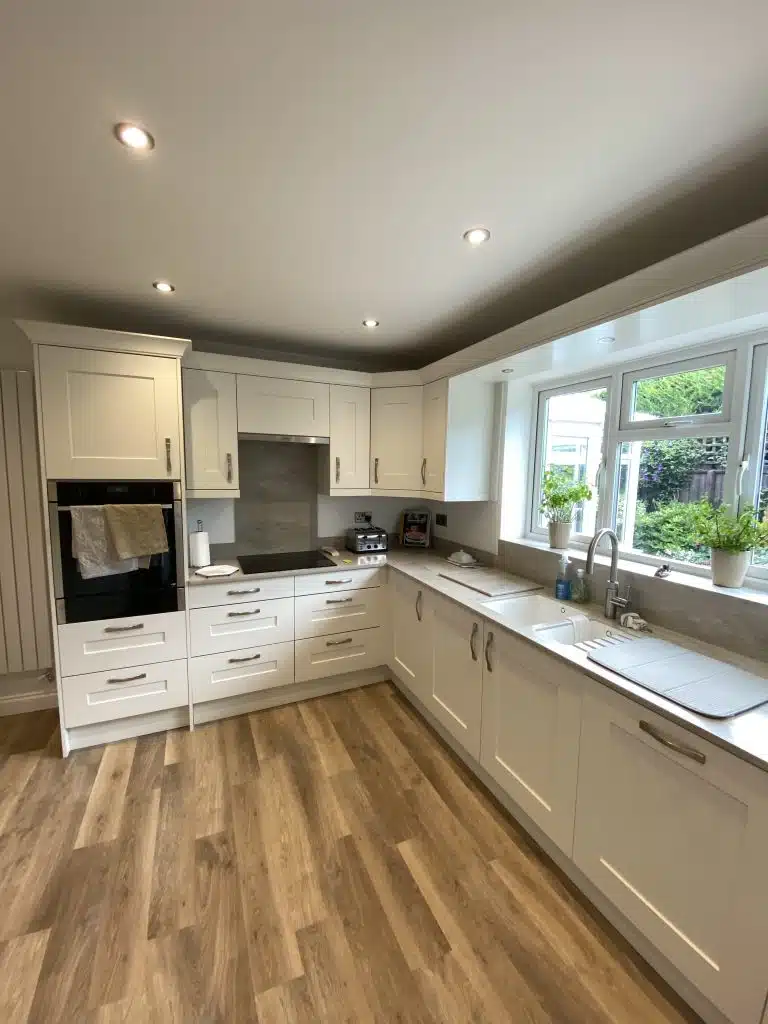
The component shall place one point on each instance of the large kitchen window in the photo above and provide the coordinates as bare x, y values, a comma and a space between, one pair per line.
679, 430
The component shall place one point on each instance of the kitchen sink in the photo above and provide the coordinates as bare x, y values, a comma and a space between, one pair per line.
531, 611
585, 633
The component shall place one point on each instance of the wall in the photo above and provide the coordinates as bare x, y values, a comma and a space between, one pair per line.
15, 347
334, 515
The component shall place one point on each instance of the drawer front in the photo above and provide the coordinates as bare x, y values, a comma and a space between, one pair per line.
120, 643
227, 675
207, 595
343, 652
106, 696
339, 579
228, 628
321, 614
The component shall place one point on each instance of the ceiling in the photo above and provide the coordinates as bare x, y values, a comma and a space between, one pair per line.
317, 162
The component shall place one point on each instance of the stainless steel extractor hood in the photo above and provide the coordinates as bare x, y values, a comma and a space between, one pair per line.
289, 438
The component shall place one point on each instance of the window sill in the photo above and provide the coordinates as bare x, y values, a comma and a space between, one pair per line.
754, 591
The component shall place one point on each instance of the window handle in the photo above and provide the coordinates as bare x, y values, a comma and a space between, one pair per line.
678, 423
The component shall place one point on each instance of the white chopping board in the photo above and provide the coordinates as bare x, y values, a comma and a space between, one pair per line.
490, 582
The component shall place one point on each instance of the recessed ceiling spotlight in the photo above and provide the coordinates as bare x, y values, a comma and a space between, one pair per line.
370, 323
133, 137
476, 236
606, 339
507, 369
163, 286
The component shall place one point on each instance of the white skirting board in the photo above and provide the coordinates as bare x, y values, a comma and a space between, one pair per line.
22, 692
228, 707
709, 1013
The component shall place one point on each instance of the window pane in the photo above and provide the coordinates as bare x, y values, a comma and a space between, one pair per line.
691, 393
760, 557
659, 482
573, 442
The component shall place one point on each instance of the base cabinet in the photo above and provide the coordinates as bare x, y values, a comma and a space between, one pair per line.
531, 726
411, 653
676, 838
456, 686
236, 672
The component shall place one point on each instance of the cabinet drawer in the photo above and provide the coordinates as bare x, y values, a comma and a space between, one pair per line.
227, 675
207, 595
140, 690
321, 614
339, 579
228, 628
343, 652
108, 644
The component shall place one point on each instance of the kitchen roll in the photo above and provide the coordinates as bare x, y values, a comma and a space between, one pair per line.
199, 550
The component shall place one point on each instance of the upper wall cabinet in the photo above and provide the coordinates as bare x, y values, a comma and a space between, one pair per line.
109, 415
271, 405
344, 466
396, 439
210, 433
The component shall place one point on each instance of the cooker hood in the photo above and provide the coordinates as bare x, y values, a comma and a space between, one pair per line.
290, 438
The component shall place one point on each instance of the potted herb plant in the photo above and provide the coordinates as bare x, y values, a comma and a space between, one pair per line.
560, 494
732, 539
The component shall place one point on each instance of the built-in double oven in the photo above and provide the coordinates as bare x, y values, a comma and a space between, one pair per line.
155, 587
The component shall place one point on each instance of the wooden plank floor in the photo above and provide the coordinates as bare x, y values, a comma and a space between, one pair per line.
328, 861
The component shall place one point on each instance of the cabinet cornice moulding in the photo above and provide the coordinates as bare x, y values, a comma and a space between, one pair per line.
197, 360
40, 332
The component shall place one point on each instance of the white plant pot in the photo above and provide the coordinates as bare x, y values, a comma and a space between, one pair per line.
559, 534
729, 567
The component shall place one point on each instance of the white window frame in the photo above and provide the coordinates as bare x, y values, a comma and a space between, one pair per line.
757, 425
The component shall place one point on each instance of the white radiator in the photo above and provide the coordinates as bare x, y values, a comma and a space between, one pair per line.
25, 624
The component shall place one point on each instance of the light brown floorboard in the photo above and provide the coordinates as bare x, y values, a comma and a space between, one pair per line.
325, 862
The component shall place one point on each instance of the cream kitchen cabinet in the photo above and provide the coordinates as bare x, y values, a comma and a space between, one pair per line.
345, 465
209, 399
411, 617
396, 440
109, 415
674, 831
435, 412
531, 727
458, 417
455, 695
272, 405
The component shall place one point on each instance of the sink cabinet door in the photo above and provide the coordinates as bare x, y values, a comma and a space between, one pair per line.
456, 683
411, 610
679, 847
531, 726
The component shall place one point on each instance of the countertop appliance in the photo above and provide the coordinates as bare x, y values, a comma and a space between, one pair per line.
159, 588
361, 539
287, 561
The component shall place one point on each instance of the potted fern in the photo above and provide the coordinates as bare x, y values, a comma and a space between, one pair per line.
560, 494
732, 539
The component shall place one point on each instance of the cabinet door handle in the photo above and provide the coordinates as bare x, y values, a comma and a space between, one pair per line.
473, 640
672, 744
235, 593
124, 629
424, 472
488, 649
168, 464
375, 471
229, 467
237, 661
233, 615
419, 598
338, 643
129, 679
336, 583
339, 600
338, 469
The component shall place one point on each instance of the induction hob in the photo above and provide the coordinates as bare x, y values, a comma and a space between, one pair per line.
287, 561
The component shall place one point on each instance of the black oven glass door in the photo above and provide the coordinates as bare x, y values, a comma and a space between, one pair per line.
142, 592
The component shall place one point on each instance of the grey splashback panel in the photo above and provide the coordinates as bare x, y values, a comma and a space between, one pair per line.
277, 508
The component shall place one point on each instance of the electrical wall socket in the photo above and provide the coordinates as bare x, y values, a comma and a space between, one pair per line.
441, 519
363, 517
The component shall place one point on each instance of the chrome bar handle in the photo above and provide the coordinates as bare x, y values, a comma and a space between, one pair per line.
129, 679
234, 615
375, 471
123, 629
423, 472
168, 464
672, 744
339, 600
235, 593
419, 599
473, 640
338, 469
229, 467
336, 583
488, 649
237, 661
338, 643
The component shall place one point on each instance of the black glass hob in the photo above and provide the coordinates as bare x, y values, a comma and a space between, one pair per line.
287, 561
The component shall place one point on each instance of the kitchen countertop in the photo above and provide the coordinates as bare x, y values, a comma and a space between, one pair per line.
745, 735
344, 560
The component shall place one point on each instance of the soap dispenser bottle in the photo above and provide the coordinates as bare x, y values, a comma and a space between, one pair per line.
562, 583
